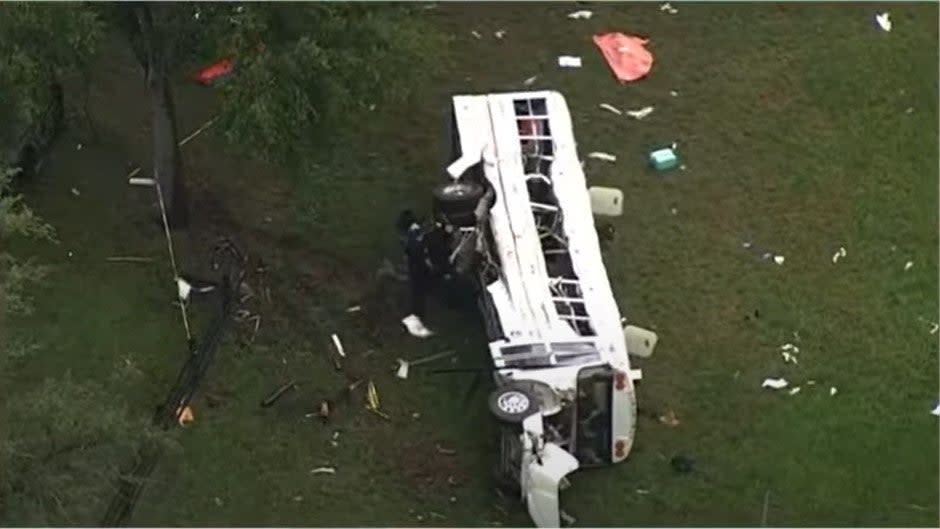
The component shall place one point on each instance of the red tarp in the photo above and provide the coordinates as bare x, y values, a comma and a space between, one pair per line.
213, 73
626, 55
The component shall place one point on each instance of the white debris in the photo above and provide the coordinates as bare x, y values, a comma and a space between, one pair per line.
838, 255
746, 244
674, 211
936, 411
603, 156
779, 259
568, 61
403, 367
339, 346
667, 7
788, 358
790, 347
76, 192
640, 113
909, 110
794, 391
774, 383
934, 328
832, 391
416, 327
354, 308
79, 147
583, 15
476, 34
530, 80
810, 382
642, 491
499, 34
183, 288
323, 470
611, 108
884, 21
908, 265
673, 93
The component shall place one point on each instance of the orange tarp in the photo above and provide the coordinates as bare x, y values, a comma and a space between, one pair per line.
626, 55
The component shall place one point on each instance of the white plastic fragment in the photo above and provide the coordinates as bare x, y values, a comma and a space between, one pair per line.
339, 346
790, 347
936, 411
779, 259
403, 367
788, 358
183, 288
794, 391
884, 21
476, 34
908, 265
636, 374
774, 383
603, 156
934, 328
832, 391
76, 192
530, 80
416, 327
611, 108
323, 470
569, 61
810, 382
354, 308
583, 15
673, 93
640, 113
838, 255
499, 34
667, 7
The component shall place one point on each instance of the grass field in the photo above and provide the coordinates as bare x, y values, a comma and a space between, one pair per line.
803, 129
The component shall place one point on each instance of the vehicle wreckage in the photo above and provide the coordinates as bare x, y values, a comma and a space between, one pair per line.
520, 224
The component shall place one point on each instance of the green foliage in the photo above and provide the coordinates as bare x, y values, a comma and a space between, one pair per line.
304, 68
39, 43
16, 276
61, 452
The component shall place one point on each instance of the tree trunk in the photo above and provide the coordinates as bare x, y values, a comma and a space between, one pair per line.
167, 167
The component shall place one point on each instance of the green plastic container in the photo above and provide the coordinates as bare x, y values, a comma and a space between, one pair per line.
664, 159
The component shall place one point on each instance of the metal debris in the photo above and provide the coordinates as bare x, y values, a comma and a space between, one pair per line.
568, 61
339, 346
580, 15
323, 470
640, 113
372, 401
602, 156
774, 383
611, 108
402, 371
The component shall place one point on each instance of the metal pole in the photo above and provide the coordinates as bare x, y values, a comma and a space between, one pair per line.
169, 245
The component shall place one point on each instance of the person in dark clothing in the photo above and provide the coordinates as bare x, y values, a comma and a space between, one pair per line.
419, 272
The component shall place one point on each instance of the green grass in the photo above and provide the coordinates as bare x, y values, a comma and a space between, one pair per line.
791, 121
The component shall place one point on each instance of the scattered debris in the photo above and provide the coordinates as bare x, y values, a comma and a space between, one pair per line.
354, 308
323, 470
185, 416
884, 21
499, 34
790, 347
218, 501
682, 464
530, 80
402, 371
79, 147
339, 346
298, 498
277, 394
642, 491
746, 244
476, 34
794, 390
372, 401
582, 15
774, 383
936, 411
198, 131
76, 192
838, 255
810, 382
788, 358
405, 365
325, 411
673, 93
566, 518
183, 288
667, 7
640, 113
415, 416
833, 391
445, 451
433, 514
664, 159
779, 259
567, 61
669, 419
416, 327
626, 55
908, 265
909, 110
674, 211
611, 108
933, 328
602, 156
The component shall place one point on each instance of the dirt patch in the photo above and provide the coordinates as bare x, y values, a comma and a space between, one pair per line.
430, 465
